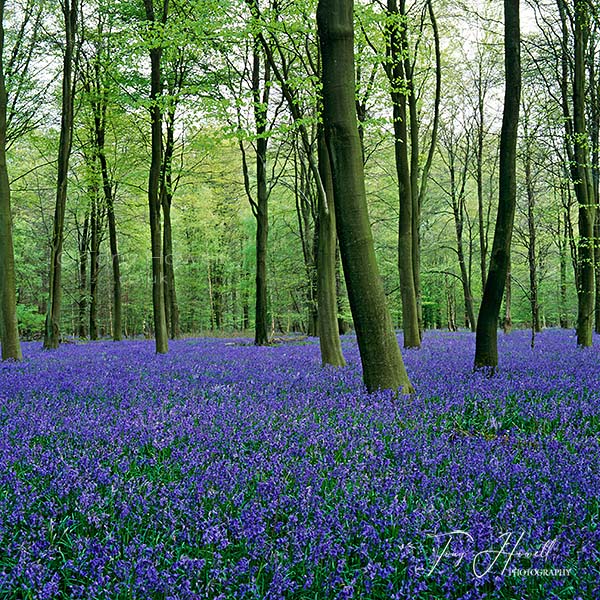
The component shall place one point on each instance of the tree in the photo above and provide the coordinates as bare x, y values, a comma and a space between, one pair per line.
383, 367
320, 174
260, 207
96, 83
52, 329
156, 31
400, 66
531, 225
486, 344
399, 80
452, 143
582, 180
9, 332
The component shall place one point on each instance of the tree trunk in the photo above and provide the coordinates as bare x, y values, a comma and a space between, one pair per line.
52, 328
83, 244
382, 363
166, 195
507, 321
100, 137
583, 183
9, 331
597, 267
158, 304
419, 192
94, 262
486, 344
457, 196
318, 170
563, 316
343, 325
216, 286
531, 250
479, 176
261, 322
329, 335
397, 76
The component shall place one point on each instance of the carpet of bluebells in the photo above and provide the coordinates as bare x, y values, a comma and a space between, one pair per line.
222, 470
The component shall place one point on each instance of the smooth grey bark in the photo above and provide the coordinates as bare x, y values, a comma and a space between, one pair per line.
383, 367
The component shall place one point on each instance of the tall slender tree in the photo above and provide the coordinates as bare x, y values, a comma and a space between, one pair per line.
261, 206
383, 367
9, 332
96, 82
52, 329
320, 173
582, 179
486, 344
157, 24
400, 81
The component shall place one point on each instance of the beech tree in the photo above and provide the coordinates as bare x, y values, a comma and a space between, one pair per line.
9, 333
96, 83
383, 367
400, 66
156, 24
320, 175
582, 177
486, 344
52, 329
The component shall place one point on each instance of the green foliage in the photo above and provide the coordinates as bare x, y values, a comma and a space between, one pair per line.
31, 322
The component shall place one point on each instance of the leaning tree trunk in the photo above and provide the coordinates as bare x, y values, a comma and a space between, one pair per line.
329, 335
381, 359
340, 287
171, 306
486, 341
52, 329
9, 332
327, 325
158, 304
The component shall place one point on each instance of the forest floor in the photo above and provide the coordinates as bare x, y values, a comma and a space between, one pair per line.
231, 471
